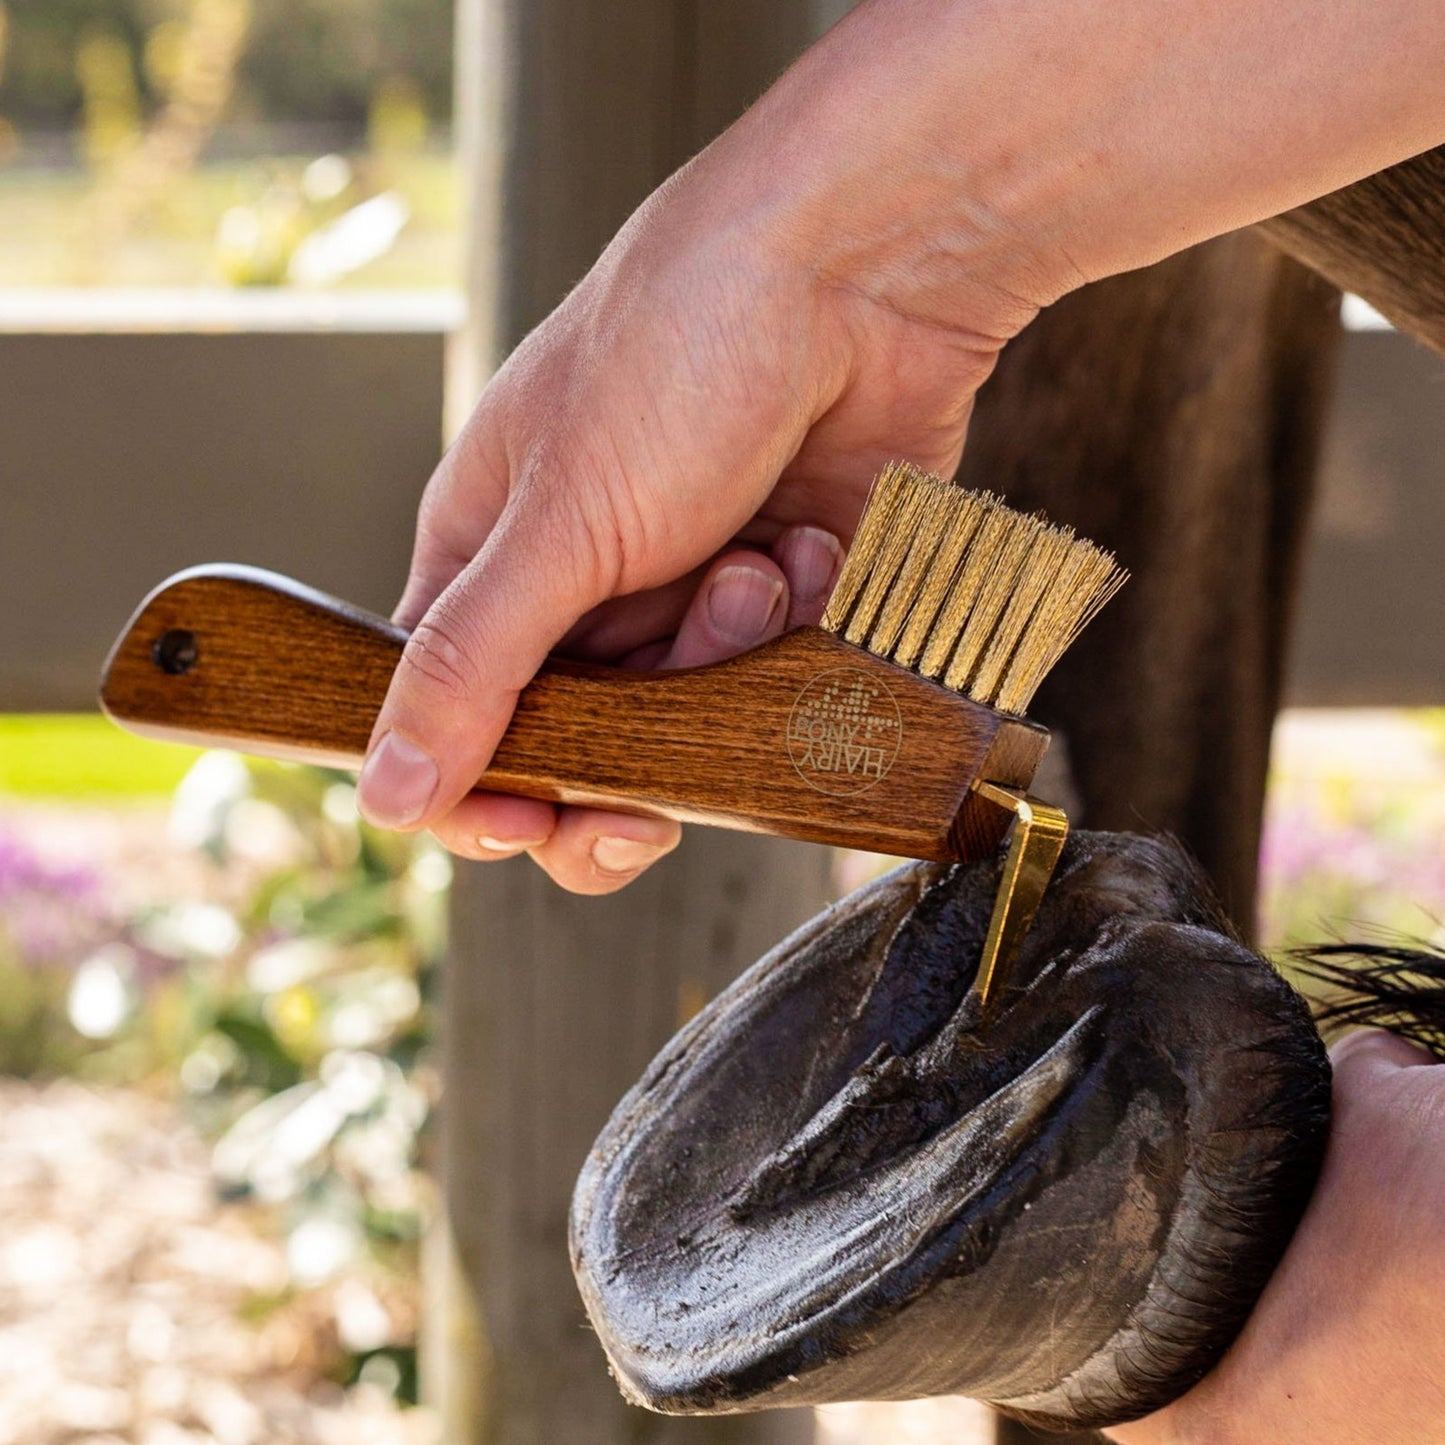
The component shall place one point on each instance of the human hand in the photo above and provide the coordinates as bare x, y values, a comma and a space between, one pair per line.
1347, 1344
657, 477
824, 289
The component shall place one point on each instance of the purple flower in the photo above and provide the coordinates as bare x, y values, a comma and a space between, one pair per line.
47, 912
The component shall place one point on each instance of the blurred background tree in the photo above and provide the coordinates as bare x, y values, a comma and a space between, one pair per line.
174, 143
306, 61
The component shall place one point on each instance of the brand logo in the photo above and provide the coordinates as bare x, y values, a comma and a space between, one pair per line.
844, 731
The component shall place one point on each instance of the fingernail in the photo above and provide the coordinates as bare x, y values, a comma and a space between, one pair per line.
397, 783
623, 855
812, 560
507, 847
741, 602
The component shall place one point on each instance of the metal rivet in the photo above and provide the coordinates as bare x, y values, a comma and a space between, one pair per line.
176, 652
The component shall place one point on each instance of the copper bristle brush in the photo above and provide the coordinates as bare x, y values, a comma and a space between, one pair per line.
893, 727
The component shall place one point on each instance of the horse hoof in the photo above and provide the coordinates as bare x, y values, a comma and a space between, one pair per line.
833, 1185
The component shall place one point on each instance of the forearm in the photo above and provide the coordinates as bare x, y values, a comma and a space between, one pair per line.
970, 158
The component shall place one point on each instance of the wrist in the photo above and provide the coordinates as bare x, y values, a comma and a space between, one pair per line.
857, 160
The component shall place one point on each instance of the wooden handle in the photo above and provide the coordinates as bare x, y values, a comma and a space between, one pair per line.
806, 737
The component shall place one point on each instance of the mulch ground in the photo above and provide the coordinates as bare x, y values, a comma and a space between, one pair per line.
135, 1307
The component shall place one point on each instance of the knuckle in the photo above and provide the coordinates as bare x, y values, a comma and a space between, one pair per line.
582, 522
436, 655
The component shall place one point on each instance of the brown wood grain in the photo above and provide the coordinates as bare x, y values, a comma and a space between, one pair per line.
805, 737
1382, 238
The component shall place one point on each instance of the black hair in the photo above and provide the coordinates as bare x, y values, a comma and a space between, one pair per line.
1398, 986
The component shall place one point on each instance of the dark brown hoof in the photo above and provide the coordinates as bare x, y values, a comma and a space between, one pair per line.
832, 1185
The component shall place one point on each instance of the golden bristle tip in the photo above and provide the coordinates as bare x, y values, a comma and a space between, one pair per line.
959, 587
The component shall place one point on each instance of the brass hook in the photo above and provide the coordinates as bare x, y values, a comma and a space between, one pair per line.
1038, 836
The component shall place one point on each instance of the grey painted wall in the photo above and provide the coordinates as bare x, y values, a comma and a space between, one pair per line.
1371, 625
126, 457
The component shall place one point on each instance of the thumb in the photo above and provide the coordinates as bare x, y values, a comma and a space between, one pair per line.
475, 648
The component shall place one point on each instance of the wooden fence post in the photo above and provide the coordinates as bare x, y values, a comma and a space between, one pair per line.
570, 112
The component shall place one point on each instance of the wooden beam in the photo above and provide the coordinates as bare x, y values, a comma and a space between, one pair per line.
552, 1008
126, 457
1372, 584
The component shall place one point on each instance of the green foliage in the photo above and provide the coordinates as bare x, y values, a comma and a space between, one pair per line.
31, 1002
40, 83
323, 60
277, 983
45, 210
249, 142
260, 1060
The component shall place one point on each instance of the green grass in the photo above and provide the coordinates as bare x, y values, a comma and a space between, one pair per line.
77, 757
